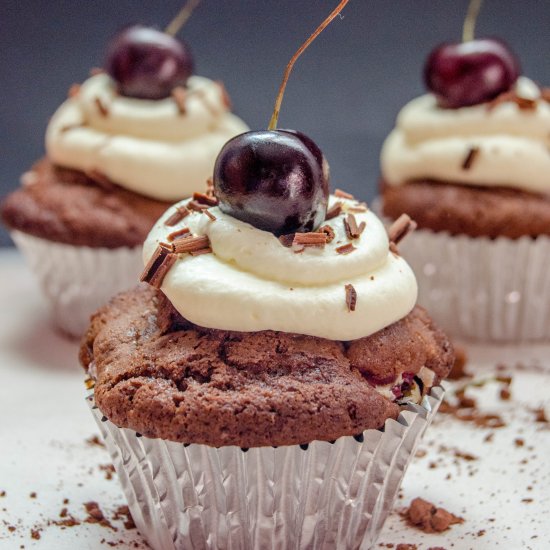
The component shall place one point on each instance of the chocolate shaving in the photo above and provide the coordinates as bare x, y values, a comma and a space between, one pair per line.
179, 95
345, 249
286, 240
180, 213
101, 107
158, 265
210, 215
101, 179
190, 244
334, 211
524, 103
343, 195
225, 96
353, 231
179, 233
470, 158
197, 206
310, 239
351, 297
203, 198
74, 90
328, 231
393, 249
400, 228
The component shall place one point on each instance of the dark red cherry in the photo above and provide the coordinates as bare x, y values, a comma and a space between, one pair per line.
276, 180
147, 63
469, 73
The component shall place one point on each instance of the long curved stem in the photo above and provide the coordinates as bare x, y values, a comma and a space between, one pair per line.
181, 18
470, 22
301, 49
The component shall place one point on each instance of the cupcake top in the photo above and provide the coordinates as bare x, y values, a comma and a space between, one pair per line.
163, 149
500, 143
340, 282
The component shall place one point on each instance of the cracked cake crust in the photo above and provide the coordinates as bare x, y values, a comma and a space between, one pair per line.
164, 377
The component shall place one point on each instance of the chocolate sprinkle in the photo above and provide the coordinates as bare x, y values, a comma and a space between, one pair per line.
180, 213
190, 244
158, 265
179, 95
101, 107
203, 198
334, 211
345, 249
351, 297
210, 215
197, 206
470, 157
400, 228
343, 195
328, 231
179, 233
310, 239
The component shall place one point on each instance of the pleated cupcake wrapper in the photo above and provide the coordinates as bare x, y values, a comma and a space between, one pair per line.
483, 289
320, 495
77, 280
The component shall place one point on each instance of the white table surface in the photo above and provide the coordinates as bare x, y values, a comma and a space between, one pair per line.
44, 425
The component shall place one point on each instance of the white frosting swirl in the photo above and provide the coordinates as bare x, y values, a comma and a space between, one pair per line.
431, 142
145, 146
251, 282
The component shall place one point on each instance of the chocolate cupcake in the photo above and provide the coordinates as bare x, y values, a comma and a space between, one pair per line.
122, 148
299, 363
469, 162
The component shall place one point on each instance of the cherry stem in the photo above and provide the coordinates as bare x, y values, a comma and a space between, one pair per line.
181, 18
470, 21
319, 30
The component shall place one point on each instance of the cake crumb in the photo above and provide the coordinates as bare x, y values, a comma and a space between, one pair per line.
428, 518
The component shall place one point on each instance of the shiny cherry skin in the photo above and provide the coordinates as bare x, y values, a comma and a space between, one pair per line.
275, 180
147, 63
469, 73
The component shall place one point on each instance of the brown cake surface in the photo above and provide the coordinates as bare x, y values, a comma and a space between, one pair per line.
67, 206
167, 378
469, 210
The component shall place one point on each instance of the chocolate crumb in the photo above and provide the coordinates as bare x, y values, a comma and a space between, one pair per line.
95, 515
470, 158
351, 297
400, 228
540, 416
35, 534
333, 211
101, 107
343, 195
158, 265
179, 96
518, 442
180, 213
32, 495
428, 518
286, 240
109, 470
406, 546
123, 513
345, 249
3, 493
505, 394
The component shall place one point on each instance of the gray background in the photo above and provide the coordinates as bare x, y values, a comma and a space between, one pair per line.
344, 92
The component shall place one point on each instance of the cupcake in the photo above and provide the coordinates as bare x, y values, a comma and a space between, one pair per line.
469, 162
127, 143
273, 380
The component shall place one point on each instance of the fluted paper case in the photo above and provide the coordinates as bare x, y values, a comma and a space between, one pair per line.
320, 495
78, 280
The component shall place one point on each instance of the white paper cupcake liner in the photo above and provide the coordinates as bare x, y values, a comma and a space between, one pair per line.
483, 289
77, 280
321, 495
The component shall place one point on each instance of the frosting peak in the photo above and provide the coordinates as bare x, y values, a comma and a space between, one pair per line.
511, 141
164, 149
251, 282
